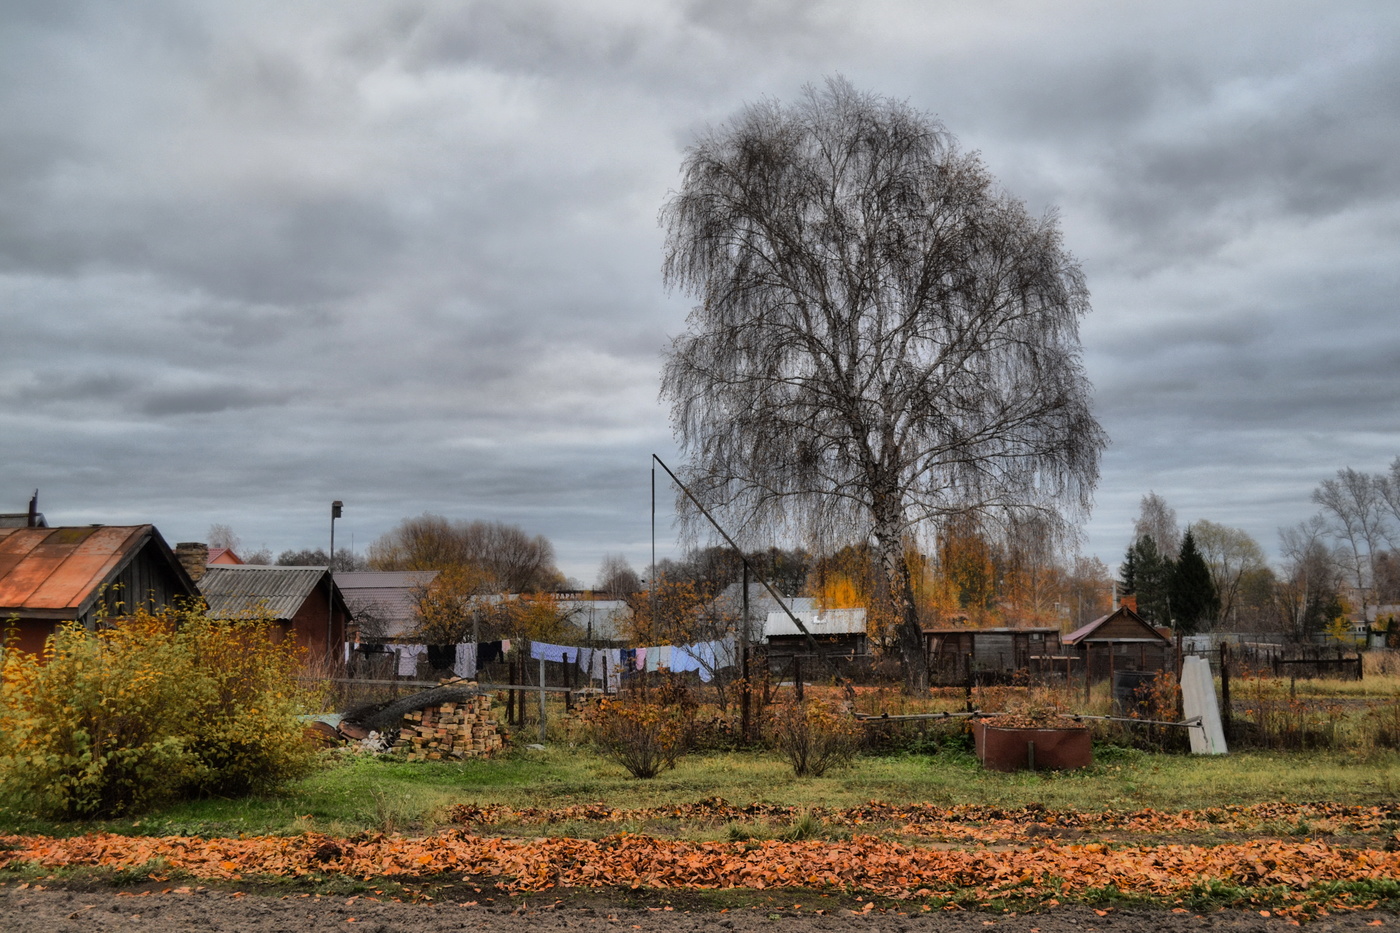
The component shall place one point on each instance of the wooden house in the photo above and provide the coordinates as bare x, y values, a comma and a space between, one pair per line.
958, 656
839, 633
49, 576
1120, 641
303, 602
384, 603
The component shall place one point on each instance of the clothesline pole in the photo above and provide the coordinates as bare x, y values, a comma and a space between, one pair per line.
542, 695
746, 696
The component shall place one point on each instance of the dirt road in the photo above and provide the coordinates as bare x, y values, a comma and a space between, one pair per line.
27, 910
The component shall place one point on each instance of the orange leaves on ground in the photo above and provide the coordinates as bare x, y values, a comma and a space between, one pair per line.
864, 863
976, 823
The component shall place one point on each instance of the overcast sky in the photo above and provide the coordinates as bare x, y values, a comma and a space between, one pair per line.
257, 256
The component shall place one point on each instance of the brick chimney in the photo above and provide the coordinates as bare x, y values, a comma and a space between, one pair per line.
194, 557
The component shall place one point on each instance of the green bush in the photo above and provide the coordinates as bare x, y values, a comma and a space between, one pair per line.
150, 708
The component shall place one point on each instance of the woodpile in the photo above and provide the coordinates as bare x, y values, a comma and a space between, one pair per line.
460, 729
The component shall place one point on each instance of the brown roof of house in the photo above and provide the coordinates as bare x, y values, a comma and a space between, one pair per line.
1116, 625
63, 568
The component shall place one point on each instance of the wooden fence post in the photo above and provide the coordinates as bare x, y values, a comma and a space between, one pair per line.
1227, 720
745, 695
510, 694
542, 695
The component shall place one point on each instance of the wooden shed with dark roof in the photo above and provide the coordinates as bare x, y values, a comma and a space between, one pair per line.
301, 601
958, 656
49, 576
1120, 641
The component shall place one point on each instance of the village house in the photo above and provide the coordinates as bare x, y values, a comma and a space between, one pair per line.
303, 602
839, 633
49, 576
1120, 641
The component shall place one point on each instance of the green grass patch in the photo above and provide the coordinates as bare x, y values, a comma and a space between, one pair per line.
366, 794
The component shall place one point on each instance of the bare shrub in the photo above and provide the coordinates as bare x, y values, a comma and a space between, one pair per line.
645, 738
813, 736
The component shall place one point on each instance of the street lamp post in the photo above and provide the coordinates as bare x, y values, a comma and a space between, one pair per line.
336, 507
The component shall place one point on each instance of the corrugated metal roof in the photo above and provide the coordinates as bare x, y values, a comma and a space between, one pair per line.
62, 568
830, 622
247, 591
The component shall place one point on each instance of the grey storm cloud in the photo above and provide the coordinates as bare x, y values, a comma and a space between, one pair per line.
256, 257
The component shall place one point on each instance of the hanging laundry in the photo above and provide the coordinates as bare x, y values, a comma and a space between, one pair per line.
489, 652
408, 658
727, 652
614, 669
684, 658
641, 659
466, 665
544, 651
442, 657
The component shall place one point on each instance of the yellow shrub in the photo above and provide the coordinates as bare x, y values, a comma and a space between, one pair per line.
153, 707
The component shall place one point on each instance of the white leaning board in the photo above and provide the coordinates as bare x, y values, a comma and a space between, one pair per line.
1198, 700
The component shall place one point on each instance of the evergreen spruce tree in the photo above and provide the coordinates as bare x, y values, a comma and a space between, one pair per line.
1194, 600
1127, 579
1152, 579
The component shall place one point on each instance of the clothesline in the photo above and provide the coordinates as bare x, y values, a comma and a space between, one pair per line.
465, 658
704, 658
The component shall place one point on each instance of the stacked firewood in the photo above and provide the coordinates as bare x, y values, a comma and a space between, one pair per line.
464, 729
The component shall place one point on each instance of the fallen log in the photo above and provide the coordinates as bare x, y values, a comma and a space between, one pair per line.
383, 717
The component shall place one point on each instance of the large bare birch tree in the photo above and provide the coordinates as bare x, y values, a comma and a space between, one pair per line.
883, 337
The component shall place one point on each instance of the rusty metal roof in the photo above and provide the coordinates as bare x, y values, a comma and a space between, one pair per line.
46, 569
245, 591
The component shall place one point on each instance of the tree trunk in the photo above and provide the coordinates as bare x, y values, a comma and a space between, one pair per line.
901, 595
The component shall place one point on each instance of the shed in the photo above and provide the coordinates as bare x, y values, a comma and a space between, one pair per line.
1120, 641
839, 632
303, 601
956, 655
78, 574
